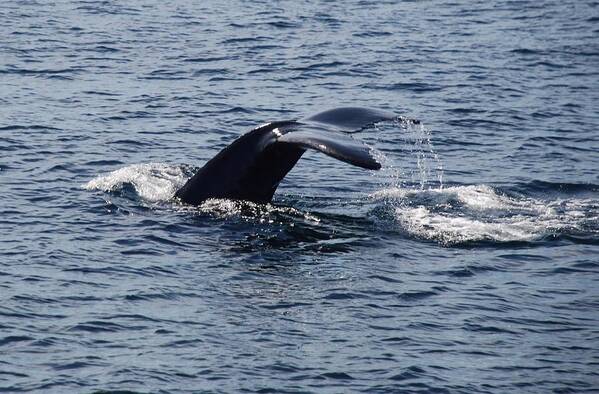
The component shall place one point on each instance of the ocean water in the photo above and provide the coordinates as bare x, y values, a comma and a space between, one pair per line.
469, 263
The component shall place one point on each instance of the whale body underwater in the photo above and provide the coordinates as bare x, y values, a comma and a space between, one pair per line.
253, 165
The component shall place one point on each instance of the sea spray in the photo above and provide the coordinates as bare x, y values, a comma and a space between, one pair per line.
153, 182
413, 161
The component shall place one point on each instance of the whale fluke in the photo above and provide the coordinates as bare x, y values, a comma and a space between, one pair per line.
253, 165
350, 119
335, 145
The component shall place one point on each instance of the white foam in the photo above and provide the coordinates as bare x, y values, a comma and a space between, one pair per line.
263, 213
153, 182
451, 230
479, 213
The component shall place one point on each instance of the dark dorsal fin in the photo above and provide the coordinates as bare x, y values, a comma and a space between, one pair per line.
252, 166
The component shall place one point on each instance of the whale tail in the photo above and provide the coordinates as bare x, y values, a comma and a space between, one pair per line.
252, 167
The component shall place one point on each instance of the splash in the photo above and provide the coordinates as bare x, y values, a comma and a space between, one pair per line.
153, 182
413, 159
464, 214
416, 202
158, 182
248, 211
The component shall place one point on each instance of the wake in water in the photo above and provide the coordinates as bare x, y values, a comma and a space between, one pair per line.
448, 215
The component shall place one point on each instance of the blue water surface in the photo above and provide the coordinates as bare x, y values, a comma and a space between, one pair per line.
469, 263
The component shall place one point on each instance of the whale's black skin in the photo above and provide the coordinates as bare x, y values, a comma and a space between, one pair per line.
252, 166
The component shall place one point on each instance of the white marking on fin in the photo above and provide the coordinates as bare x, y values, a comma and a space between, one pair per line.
262, 125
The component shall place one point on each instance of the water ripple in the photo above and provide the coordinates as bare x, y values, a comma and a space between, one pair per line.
467, 264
